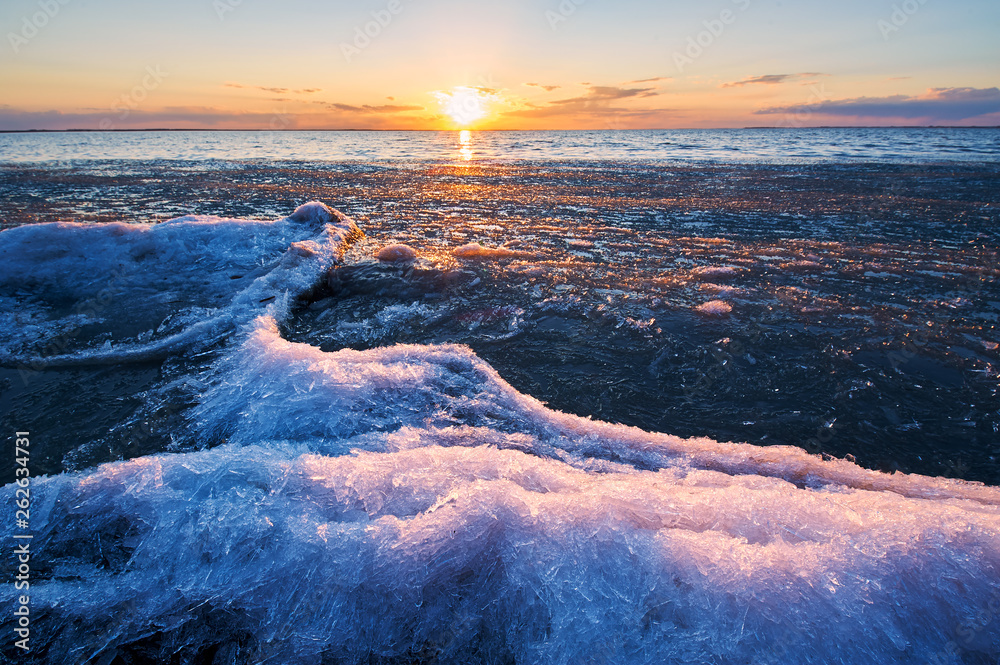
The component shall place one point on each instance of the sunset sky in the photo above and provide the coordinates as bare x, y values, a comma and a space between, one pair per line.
517, 64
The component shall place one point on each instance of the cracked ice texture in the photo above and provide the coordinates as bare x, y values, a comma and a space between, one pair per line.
405, 504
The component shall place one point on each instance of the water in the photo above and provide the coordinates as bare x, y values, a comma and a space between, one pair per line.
677, 146
512, 449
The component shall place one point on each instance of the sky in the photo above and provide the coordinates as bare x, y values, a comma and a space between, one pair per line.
516, 64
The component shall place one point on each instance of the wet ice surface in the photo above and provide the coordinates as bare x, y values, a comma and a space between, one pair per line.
356, 462
864, 302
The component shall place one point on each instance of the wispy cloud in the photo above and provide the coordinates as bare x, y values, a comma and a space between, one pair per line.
655, 79
277, 91
173, 117
936, 105
335, 116
771, 79
546, 88
598, 100
602, 93
368, 108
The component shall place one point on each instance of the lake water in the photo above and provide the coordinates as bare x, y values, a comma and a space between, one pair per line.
696, 145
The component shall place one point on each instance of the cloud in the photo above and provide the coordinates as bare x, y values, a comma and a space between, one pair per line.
605, 93
597, 101
771, 79
277, 91
546, 88
335, 116
171, 117
652, 80
936, 105
368, 108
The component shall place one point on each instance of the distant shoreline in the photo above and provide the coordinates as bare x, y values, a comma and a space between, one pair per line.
660, 129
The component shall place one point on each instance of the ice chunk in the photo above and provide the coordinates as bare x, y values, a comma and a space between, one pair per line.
407, 500
715, 308
438, 541
76, 281
397, 253
474, 250
317, 213
803, 265
715, 272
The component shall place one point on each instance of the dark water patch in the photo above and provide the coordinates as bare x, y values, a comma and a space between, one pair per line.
763, 375
71, 414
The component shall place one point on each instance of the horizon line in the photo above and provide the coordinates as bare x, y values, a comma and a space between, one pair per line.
355, 129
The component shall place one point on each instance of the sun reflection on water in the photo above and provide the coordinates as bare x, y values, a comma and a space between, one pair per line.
465, 144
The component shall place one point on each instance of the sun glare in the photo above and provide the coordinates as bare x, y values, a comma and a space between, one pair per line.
465, 105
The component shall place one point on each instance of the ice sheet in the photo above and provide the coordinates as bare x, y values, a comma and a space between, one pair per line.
158, 287
406, 504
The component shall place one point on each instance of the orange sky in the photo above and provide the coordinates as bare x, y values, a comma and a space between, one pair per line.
569, 64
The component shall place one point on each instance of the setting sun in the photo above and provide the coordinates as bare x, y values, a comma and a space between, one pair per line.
465, 105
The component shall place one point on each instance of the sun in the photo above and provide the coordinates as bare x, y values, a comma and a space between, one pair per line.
465, 105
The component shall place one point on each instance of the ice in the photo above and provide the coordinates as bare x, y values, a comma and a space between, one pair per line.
803, 266
185, 281
386, 323
396, 253
406, 503
330, 397
715, 308
474, 251
715, 272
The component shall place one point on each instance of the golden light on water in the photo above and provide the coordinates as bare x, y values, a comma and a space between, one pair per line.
465, 144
